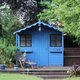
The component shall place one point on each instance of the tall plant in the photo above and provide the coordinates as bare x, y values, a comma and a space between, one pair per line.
8, 23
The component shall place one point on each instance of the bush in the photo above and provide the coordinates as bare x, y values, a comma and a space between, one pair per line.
7, 52
74, 70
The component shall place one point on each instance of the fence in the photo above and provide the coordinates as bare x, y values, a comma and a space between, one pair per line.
71, 56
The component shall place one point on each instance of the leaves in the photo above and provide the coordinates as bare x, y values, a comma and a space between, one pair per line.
7, 21
65, 11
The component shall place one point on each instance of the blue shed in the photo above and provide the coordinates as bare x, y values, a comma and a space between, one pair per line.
43, 43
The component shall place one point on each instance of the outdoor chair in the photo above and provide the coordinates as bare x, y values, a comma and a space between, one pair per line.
21, 60
28, 63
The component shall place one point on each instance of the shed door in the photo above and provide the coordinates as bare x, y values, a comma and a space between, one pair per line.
55, 51
55, 59
41, 48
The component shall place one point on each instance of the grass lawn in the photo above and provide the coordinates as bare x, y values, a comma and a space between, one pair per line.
11, 76
73, 78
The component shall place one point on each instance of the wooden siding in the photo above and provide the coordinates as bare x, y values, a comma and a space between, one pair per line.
40, 51
71, 56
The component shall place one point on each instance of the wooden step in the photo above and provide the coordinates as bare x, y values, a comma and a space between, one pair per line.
46, 73
53, 76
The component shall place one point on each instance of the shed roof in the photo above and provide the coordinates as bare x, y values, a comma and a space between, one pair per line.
37, 23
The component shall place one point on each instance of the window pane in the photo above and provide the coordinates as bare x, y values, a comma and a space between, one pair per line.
58, 43
22, 43
28, 37
59, 38
52, 43
22, 37
28, 43
52, 37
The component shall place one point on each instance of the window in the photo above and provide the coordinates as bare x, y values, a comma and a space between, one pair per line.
26, 40
55, 40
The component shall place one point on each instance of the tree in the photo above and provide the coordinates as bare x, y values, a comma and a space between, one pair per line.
24, 9
8, 23
66, 12
12, 12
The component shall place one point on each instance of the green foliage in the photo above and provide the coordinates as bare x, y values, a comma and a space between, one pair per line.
65, 11
7, 18
24, 9
8, 23
7, 52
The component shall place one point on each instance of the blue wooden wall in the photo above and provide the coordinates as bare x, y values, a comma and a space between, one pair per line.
41, 52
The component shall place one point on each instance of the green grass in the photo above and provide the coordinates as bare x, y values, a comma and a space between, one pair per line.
73, 78
11, 76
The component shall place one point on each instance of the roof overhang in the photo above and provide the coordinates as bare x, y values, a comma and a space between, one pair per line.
37, 23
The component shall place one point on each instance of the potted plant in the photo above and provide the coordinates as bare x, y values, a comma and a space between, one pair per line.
2, 66
10, 64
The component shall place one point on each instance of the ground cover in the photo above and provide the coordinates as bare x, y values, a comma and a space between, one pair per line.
11, 76
73, 78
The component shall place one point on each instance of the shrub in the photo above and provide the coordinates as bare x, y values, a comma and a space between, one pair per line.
7, 52
74, 70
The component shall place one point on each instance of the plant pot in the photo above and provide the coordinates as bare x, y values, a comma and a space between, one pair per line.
11, 65
2, 66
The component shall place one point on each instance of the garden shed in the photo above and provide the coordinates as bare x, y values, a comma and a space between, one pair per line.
43, 44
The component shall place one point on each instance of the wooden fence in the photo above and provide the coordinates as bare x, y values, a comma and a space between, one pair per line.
71, 56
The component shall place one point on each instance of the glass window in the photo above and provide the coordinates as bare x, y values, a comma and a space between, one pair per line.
58, 43
52, 37
55, 40
22, 43
22, 37
28, 43
52, 43
26, 40
58, 37
28, 37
